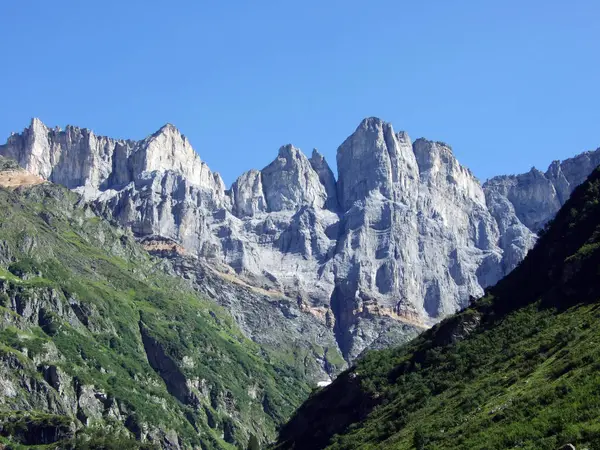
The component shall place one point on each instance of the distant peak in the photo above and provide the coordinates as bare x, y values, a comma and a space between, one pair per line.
288, 150
376, 125
403, 136
36, 123
373, 122
168, 128
535, 171
316, 155
429, 143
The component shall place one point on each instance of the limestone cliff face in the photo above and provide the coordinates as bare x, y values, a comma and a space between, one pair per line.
417, 239
247, 194
405, 236
290, 181
374, 160
536, 196
523, 204
76, 157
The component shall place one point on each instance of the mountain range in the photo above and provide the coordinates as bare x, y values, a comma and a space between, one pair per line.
403, 236
144, 304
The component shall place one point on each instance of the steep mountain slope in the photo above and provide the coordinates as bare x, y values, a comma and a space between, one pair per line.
402, 238
517, 369
98, 341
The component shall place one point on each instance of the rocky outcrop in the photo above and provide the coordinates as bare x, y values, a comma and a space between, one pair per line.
417, 240
34, 431
166, 368
290, 182
267, 316
247, 194
374, 160
536, 196
326, 177
523, 204
404, 237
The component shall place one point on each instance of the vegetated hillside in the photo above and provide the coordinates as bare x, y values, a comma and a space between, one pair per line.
100, 348
520, 368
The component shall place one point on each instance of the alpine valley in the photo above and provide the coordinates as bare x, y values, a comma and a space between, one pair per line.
143, 303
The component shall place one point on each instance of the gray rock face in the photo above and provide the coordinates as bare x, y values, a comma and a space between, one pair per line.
536, 196
267, 317
404, 237
417, 240
326, 177
376, 160
247, 194
290, 181
76, 157
523, 204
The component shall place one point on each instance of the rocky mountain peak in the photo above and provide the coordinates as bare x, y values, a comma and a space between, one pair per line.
373, 123
373, 159
534, 197
439, 167
168, 149
37, 124
288, 152
168, 128
286, 184
321, 167
170, 132
247, 194
78, 158
316, 157
290, 181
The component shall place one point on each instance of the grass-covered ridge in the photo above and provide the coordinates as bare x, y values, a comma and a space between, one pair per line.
520, 368
92, 329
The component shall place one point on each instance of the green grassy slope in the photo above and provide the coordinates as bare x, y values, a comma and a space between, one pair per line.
520, 368
81, 299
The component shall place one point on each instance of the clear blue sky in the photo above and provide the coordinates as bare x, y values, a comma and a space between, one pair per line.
509, 84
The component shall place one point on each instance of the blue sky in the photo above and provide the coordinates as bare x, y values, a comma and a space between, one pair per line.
508, 84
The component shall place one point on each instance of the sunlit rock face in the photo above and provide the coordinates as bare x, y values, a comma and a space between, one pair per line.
523, 204
402, 238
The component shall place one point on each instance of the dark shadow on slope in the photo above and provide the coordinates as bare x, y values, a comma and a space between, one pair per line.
165, 367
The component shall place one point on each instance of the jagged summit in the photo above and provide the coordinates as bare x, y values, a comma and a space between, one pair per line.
316, 155
165, 149
36, 122
288, 150
373, 122
536, 196
168, 129
78, 158
36, 125
372, 159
